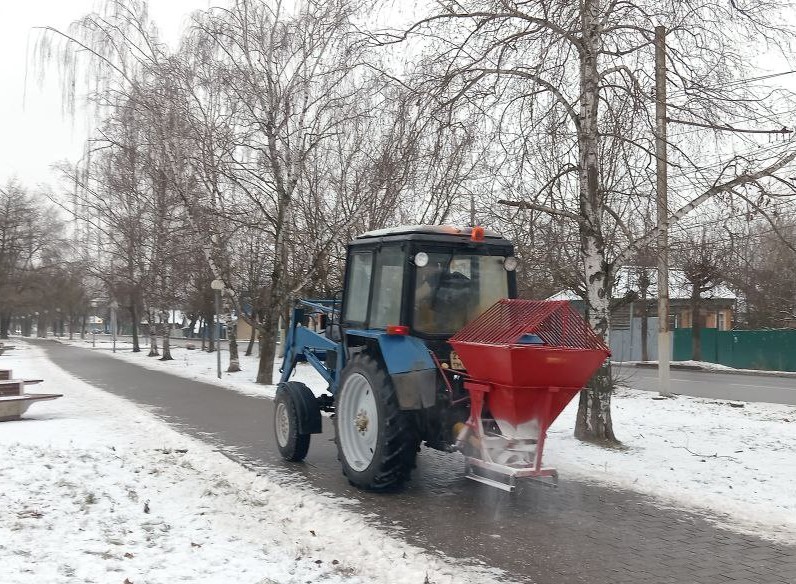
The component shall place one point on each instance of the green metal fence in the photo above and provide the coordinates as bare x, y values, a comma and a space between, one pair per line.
773, 350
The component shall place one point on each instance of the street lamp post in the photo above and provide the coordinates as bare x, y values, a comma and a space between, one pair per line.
218, 286
113, 305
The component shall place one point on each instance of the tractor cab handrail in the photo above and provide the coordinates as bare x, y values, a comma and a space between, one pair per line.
320, 305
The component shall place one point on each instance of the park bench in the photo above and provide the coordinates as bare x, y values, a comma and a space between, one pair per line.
4, 348
14, 401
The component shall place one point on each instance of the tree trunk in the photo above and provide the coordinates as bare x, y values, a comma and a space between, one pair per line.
134, 316
265, 370
232, 341
252, 335
696, 330
593, 422
153, 339
5, 322
210, 332
166, 341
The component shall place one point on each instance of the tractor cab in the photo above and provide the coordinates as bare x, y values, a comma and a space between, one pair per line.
425, 281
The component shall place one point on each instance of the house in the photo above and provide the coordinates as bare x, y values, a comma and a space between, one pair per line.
716, 309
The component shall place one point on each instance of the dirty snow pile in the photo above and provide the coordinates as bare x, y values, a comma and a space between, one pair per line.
737, 463
96, 490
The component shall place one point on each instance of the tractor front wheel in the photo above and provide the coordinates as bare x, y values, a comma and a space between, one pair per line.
292, 444
374, 439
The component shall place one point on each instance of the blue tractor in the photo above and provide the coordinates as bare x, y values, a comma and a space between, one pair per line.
383, 348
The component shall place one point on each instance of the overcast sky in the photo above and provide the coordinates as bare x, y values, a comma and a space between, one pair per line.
33, 132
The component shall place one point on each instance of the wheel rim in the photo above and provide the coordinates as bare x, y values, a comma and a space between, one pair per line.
282, 424
357, 422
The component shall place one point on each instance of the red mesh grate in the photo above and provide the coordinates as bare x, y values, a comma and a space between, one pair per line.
555, 322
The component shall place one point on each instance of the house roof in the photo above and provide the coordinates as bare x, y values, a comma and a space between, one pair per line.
627, 281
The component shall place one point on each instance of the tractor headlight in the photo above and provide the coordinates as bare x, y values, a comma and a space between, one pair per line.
421, 259
510, 264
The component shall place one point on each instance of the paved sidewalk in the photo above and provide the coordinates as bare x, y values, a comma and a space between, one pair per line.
580, 533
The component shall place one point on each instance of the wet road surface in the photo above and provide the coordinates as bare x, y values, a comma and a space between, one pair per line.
578, 533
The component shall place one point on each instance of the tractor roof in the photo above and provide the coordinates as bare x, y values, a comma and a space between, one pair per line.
438, 233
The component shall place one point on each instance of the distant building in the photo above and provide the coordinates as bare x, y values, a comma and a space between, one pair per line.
716, 309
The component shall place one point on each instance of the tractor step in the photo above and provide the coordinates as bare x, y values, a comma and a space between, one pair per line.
509, 488
476, 472
505, 477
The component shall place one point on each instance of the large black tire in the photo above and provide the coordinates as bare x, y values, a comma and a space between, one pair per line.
292, 445
388, 439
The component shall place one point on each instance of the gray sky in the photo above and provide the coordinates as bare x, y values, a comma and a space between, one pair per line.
33, 132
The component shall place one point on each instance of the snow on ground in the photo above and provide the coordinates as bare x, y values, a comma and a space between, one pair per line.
716, 367
696, 364
95, 489
687, 452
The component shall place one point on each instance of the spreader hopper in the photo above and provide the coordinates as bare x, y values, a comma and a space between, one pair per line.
525, 360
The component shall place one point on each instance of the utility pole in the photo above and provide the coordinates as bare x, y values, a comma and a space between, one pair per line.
663, 212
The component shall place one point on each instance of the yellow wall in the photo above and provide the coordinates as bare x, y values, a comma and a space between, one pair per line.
710, 318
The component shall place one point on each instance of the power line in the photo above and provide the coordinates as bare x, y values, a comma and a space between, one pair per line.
738, 82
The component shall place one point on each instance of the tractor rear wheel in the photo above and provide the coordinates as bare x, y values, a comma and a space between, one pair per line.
375, 442
292, 444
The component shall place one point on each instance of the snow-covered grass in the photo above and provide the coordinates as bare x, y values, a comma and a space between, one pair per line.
95, 489
687, 452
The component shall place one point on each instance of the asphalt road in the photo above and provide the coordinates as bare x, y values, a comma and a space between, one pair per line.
579, 533
731, 386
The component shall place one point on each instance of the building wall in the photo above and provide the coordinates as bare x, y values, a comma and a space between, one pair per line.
709, 316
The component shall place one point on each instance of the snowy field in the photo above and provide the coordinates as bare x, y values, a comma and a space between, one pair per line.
738, 463
94, 489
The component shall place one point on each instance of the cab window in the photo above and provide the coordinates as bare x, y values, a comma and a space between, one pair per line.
453, 289
388, 280
358, 286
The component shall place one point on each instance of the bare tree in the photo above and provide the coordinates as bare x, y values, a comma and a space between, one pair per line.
575, 80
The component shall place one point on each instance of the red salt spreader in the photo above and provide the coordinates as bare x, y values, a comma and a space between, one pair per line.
524, 361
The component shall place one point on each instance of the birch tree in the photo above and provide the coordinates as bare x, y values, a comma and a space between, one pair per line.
577, 79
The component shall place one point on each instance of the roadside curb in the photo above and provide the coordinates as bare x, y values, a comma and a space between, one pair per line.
748, 372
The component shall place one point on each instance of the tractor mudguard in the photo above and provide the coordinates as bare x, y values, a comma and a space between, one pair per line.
416, 390
307, 410
410, 366
403, 354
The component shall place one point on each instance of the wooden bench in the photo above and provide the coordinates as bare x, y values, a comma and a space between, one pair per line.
13, 400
